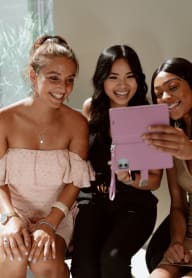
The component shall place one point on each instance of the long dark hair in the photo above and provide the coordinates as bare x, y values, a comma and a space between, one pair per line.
99, 120
180, 67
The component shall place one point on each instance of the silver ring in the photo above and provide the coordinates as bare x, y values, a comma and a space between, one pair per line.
5, 241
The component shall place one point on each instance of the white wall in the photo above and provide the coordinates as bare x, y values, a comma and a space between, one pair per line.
155, 29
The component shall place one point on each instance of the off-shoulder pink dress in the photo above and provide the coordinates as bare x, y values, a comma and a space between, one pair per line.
36, 177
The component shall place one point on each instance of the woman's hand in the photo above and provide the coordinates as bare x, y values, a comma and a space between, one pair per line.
170, 140
176, 253
124, 176
15, 240
43, 243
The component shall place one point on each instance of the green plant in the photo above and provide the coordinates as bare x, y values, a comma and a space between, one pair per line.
15, 44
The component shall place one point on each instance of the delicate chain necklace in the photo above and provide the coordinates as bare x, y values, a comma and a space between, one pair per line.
42, 135
41, 141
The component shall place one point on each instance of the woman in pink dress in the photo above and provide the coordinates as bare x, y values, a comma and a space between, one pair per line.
43, 151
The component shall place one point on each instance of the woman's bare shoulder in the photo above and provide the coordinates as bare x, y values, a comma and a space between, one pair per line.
14, 107
7, 116
86, 107
10, 112
72, 115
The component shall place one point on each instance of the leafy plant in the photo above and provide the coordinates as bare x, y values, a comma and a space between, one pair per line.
15, 44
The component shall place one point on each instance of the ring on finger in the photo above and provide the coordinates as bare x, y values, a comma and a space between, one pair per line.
5, 241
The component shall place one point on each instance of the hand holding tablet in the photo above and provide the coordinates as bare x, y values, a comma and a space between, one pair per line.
128, 150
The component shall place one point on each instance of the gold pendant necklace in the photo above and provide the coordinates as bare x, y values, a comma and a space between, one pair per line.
41, 141
42, 136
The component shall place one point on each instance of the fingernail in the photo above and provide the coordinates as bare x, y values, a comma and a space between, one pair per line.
26, 253
11, 258
34, 261
19, 259
29, 259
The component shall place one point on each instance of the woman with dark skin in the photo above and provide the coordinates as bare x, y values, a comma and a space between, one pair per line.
172, 242
108, 233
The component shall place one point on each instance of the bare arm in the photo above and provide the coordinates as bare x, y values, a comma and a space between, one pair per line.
13, 230
5, 202
176, 251
178, 208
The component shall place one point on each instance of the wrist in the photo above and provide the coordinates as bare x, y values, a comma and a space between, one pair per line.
57, 213
5, 217
48, 224
54, 218
61, 207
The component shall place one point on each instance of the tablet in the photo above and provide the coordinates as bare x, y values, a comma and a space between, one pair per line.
128, 150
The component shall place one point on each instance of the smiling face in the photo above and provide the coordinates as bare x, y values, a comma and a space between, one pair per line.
120, 85
54, 82
176, 92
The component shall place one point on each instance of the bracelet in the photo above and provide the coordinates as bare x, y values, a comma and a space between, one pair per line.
61, 206
43, 222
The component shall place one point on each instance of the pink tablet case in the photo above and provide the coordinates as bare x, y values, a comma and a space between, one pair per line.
128, 150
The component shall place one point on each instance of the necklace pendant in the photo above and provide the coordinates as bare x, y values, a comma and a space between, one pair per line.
41, 141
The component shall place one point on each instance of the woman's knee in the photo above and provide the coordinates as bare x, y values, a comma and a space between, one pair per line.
50, 269
15, 268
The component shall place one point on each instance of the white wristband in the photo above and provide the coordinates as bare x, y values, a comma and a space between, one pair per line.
61, 206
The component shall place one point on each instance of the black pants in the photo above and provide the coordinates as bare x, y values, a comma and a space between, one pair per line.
158, 245
106, 237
